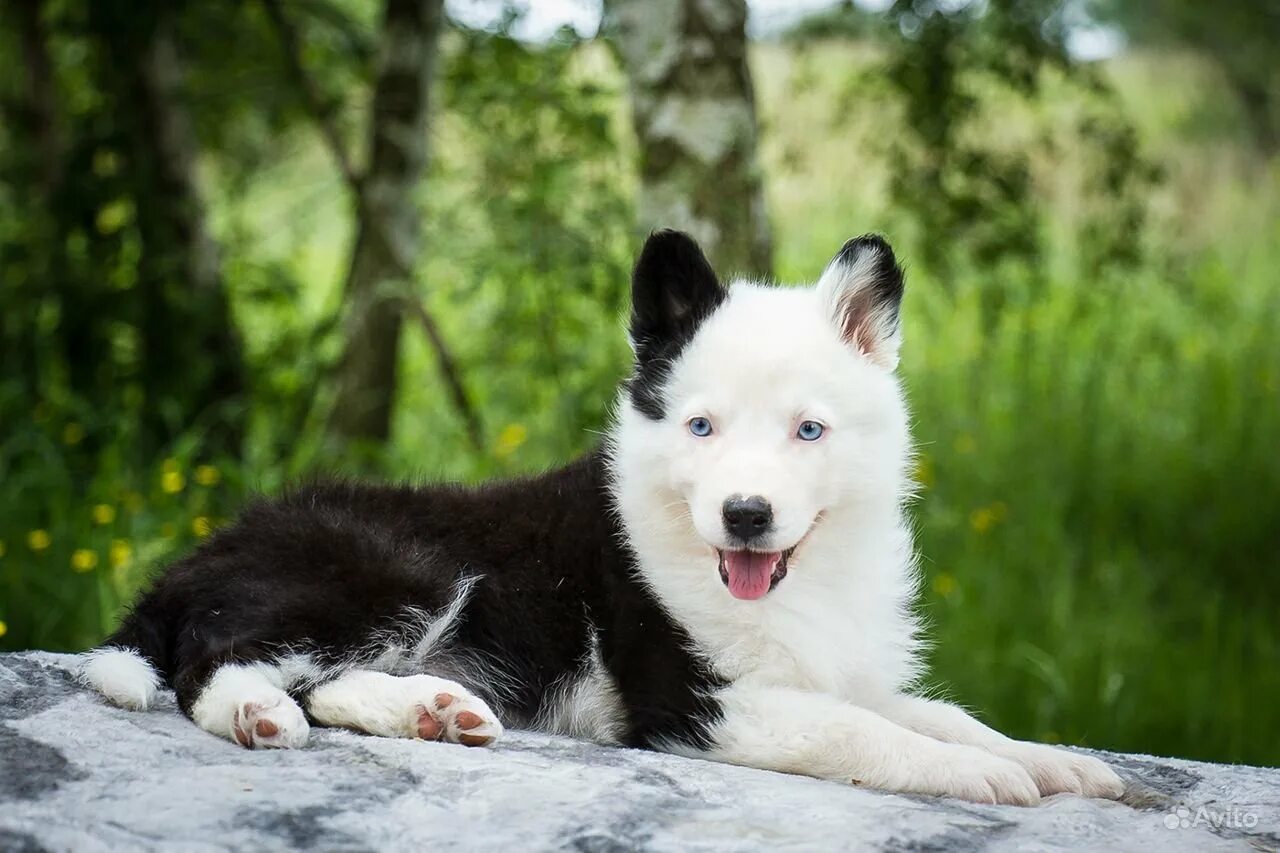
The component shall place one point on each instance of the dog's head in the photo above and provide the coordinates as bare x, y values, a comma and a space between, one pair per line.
757, 415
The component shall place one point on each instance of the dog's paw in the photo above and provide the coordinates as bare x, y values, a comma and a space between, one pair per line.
972, 774
452, 714
1058, 771
981, 777
273, 724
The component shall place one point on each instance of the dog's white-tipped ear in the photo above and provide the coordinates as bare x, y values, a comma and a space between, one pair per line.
862, 291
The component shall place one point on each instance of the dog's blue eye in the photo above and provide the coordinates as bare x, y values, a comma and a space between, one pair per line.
701, 427
809, 431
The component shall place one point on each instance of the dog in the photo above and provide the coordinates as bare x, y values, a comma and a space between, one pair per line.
730, 576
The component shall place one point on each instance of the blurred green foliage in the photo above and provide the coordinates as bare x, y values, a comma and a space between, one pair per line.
1238, 38
1093, 333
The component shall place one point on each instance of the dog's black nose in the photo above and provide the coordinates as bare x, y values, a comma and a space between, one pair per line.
747, 518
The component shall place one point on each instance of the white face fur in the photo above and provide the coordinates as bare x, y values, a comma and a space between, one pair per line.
780, 396
766, 363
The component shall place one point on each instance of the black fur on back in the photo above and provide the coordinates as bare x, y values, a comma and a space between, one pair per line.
326, 570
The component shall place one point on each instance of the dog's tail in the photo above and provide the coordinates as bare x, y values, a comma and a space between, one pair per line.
125, 669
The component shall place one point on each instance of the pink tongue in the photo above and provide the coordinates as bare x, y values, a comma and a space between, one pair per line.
750, 572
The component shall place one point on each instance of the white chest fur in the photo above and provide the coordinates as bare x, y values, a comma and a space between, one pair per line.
843, 629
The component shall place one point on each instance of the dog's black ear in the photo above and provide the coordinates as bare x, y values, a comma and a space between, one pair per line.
673, 289
862, 288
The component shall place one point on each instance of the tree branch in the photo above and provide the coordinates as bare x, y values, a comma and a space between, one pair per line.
448, 371
323, 110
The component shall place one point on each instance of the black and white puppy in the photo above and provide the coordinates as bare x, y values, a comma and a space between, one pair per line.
731, 576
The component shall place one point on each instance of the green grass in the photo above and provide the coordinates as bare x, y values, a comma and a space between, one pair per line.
1101, 488
1099, 520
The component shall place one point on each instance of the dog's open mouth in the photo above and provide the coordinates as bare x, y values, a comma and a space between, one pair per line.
751, 574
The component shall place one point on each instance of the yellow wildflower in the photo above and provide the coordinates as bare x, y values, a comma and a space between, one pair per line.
207, 475
4, 629
1, 547
169, 465
104, 514
510, 439
924, 471
944, 584
982, 520
38, 540
965, 443
172, 482
84, 560
201, 526
120, 553
72, 434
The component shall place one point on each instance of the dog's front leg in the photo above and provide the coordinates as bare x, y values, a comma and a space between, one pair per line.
1055, 770
812, 734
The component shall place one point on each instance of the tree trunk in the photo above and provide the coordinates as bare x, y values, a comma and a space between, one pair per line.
389, 224
694, 112
192, 358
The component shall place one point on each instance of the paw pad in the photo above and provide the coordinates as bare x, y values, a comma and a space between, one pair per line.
429, 727
274, 724
456, 717
468, 720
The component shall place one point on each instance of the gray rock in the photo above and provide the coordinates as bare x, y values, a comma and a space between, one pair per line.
77, 774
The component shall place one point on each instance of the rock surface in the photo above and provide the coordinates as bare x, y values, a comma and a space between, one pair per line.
77, 774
